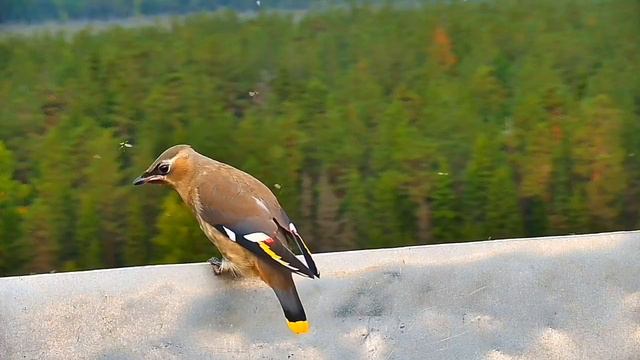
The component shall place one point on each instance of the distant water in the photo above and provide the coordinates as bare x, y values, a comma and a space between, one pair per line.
72, 26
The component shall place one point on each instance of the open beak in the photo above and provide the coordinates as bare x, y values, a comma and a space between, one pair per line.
145, 179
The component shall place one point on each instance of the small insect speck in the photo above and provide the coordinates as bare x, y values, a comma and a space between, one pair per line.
277, 186
125, 144
253, 93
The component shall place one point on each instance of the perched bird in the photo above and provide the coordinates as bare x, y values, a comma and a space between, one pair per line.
243, 219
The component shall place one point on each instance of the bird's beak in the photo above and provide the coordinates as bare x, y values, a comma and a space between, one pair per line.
146, 178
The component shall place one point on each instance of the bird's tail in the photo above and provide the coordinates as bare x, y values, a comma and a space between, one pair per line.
293, 310
282, 284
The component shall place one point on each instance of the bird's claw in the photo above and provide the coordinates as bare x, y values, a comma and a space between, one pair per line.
216, 264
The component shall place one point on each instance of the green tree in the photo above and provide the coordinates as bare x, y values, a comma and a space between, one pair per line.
99, 216
51, 217
543, 101
478, 176
392, 219
12, 195
179, 239
356, 206
489, 93
328, 218
600, 161
561, 190
443, 203
503, 217
578, 212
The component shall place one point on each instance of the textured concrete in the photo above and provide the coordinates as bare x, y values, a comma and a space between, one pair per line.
574, 297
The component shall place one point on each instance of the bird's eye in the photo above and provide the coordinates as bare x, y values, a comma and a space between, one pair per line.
163, 168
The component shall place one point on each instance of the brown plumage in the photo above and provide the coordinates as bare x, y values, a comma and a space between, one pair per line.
242, 218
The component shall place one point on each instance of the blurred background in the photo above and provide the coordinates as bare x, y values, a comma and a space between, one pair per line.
377, 124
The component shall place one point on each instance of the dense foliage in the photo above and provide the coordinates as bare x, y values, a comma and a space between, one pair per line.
375, 127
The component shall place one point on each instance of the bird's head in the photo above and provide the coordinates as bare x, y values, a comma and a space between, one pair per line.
172, 167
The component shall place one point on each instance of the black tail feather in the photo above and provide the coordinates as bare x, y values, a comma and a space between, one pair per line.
293, 310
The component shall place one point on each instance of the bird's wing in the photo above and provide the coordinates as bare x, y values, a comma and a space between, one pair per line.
255, 225
292, 233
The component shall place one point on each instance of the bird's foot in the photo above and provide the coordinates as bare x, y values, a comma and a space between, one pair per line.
223, 266
216, 264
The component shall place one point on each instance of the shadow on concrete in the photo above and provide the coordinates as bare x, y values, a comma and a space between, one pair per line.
522, 304
563, 298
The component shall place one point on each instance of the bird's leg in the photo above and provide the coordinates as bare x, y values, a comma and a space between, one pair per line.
216, 264
222, 266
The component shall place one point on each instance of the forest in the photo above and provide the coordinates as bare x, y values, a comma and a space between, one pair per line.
374, 126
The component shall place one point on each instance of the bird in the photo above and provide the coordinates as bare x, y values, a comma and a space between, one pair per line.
243, 219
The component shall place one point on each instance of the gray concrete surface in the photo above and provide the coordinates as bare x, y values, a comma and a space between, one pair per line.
575, 297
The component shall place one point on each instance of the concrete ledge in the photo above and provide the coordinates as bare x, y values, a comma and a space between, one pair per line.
574, 297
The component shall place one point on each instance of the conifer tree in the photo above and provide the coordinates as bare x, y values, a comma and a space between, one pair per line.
12, 238
478, 176
51, 217
503, 217
99, 216
443, 199
600, 161
179, 238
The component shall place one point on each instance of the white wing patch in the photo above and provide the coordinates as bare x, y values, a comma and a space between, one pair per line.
230, 233
289, 266
257, 237
293, 229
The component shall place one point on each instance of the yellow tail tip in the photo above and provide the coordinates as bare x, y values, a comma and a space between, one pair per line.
299, 327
